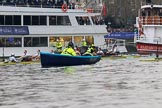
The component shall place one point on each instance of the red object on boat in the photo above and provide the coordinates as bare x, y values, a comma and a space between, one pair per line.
64, 7
104, 10
148, 48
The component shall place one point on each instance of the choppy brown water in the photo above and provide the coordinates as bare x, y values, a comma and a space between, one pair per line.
121, 83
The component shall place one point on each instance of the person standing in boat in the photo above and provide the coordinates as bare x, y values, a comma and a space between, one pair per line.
69, 50
58, 46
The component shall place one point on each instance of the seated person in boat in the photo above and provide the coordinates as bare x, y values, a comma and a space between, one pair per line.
77, 50
37, 55
69, 50
71, 43
52, 51
12, 58
113, 51
90, 51
58, 46
100, 52
25, 56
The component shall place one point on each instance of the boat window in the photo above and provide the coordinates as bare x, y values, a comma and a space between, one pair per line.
78, 40
143, 13
35, 42
63, 20
98, 20
89, 40
1, 19
8, 20
10, 42
17, 20
27, 20
52, 41
59, 20
149, 13
52, 20
35, 20
160, 12
83, 20
64, 40
43, 20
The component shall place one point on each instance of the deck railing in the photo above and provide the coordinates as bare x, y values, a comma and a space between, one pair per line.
41, 4
46, 5
151, 20
144, 38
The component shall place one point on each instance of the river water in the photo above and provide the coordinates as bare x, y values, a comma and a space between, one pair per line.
120, 83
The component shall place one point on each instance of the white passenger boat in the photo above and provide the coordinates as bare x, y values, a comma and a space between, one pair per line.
32, 28
149, 24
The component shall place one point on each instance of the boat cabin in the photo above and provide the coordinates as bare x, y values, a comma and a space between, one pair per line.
151, 14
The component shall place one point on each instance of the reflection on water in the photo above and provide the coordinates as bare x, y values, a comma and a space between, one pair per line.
124, 83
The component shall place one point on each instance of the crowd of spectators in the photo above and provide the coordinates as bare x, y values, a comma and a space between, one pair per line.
83, 21
38, 3
98, 20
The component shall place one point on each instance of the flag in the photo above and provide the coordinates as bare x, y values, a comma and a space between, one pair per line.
104, 10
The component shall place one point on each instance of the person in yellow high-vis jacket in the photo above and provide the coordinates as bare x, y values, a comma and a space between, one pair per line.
69, 50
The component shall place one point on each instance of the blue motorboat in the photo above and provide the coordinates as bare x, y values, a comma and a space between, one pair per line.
52, 60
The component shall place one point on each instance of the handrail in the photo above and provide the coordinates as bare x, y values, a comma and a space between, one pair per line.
144, 38
42, 5
151, 20
38, 5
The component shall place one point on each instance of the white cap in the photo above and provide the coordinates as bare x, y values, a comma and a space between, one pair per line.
12, 54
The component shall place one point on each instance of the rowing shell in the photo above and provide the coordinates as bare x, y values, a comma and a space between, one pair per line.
23, 63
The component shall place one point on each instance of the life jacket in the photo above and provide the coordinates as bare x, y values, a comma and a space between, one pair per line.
84, 43
89, 51
69, 51
58, 45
